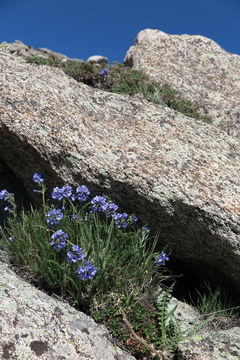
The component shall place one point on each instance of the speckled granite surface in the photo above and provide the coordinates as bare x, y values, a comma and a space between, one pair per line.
196, 66
179, 175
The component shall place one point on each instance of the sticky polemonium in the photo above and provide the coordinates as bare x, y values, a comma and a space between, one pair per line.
98, 204
4, 195
76, 255
38, 178
87, 271
54, 216
104, 72
82, 193
63, 192
121, 220
59, 240
162, 259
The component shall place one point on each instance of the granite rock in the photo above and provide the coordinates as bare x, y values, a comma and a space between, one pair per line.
35, 325
180, 176
99, 59
215, 345
196, 66
21, 49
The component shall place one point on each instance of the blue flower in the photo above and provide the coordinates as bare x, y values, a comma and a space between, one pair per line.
60, 193
87, 271
104, 72
134, 218
82, 193
145, 228
59, 240
162, 259
37, 178
57, 193
109, 209
4, 195
79, 254
54, 216
121, 220
98, 204
66, 191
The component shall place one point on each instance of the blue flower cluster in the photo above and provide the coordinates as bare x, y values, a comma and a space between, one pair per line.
38, 178
104, 72
162, 259
82, 193
63, 192
109, 209
121, 220
54, 216
59, 240
87, 271
98, 204
76, 255
4, 195
7, 196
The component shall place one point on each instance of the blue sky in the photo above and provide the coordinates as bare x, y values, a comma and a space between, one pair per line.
80, 29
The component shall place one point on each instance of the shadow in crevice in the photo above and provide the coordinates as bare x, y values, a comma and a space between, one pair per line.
193, 278
10, 182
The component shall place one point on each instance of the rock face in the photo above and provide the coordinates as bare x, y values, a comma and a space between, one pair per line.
196, 66
220, 345
20, 49
185, 313
179, 175
35, 325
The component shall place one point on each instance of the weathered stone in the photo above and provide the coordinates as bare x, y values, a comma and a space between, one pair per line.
196, 66
99, 59
220, 345
20, 49
185, 313
35, 325
179, 175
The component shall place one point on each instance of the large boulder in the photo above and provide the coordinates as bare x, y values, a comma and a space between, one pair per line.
196, 66
35, 325
179, 175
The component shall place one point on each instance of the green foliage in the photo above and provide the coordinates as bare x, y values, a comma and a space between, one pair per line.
38, 60
124, 80
169, 326
115, 252
150, 318
127, 280
212, 301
